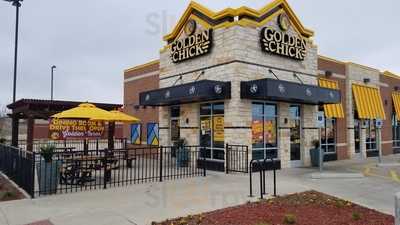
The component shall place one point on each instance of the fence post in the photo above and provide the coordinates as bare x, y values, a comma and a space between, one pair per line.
203, 149
397, 208
105, 173
161, 162
247, 159
33, 175
227, 158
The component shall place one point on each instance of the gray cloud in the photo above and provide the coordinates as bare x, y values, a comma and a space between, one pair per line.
91, 42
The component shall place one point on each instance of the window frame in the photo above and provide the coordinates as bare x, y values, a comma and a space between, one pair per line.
325, 146
264, 116
211, 115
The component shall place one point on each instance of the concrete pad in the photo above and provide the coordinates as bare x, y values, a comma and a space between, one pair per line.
388, 165
332, 175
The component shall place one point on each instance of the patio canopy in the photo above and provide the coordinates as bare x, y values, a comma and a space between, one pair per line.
199, 91
285, 91
32, 109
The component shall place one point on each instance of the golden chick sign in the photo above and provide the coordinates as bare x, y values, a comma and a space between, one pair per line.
193, 45
281, 43
61, 129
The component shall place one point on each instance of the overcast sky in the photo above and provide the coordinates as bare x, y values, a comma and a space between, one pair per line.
92, 41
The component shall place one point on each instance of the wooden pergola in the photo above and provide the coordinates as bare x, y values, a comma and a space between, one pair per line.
31, 109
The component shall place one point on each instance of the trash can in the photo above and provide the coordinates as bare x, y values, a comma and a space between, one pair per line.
314, 155
182, 157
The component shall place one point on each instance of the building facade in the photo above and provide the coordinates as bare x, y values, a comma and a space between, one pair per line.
254, 78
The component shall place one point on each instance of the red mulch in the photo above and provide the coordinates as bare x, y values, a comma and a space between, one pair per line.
8, 192
308, 208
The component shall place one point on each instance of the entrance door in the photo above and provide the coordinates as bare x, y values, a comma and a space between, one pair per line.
295, 136
175, 129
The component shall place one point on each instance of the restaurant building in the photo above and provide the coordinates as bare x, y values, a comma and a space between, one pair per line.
255, 78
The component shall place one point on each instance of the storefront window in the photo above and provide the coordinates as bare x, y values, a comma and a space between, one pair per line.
395, 131
264, 130
371, 135
328, 136
212, 130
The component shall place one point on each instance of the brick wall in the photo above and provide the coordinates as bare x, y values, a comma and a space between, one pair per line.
338, 70
136, 80
386, 93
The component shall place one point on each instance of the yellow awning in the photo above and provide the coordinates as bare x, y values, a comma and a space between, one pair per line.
331, 110
396, 102
368, 102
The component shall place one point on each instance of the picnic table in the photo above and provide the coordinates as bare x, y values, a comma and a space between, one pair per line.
79, 169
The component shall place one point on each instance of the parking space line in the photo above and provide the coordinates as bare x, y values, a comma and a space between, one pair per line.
394, 176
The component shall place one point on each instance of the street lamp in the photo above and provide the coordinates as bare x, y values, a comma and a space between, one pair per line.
17, 4
52, 80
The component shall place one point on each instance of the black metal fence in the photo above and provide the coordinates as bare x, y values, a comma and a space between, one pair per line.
237, 158
92, 144
18, 165
72, 170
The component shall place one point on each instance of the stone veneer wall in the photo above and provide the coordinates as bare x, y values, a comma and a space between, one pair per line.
240, 43
355, 75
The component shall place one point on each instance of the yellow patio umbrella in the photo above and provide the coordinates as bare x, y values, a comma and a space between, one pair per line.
123, 117
85, 111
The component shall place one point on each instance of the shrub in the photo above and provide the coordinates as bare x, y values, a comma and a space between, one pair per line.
47, 152
262, 223
356, 216
315, 143
2, 140
289, 219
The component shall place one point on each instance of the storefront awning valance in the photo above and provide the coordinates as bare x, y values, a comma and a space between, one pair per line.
368, 102
331, 110
396, 103
279, 90
199, 91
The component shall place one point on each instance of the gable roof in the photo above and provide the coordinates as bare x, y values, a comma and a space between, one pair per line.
246, 17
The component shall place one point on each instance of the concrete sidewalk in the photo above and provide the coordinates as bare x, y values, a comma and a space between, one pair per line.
143, 203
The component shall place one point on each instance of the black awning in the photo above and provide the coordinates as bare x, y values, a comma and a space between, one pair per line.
285, 91
199, 91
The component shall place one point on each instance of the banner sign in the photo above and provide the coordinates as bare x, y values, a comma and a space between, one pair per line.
61, 129
152, 134
136, 133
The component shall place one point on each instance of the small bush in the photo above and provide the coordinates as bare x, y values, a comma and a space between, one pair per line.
356, 216
289, 219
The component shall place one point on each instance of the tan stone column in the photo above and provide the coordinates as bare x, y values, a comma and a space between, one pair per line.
309, 132
284, 134
190, 123
164, 120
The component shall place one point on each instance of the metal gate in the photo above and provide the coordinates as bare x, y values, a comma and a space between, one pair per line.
237, 158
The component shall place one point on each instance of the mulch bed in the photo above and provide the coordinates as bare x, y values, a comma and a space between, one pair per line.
8, 192
307, 208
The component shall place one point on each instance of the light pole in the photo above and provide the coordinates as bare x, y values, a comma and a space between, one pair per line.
17, 4
52, 80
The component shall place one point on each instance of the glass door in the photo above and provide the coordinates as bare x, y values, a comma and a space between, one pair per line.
295, 136
212, 130
175, 127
